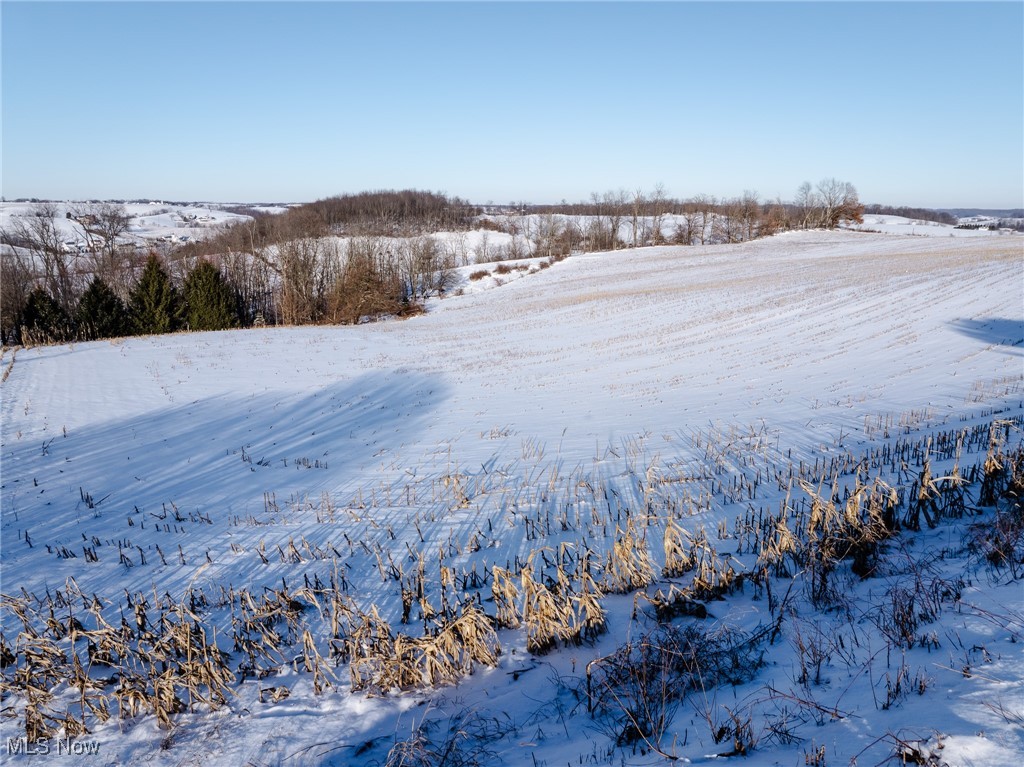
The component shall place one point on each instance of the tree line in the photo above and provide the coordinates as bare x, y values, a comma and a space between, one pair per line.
341, 259
383, 213
619, 219
307, 281
922, 214
205, 301
286, 269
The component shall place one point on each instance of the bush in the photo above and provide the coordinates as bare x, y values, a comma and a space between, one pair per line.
634, 693
479, 274
369, 286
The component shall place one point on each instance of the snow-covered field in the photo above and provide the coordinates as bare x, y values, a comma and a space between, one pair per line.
874, 222
150, 222
519, 425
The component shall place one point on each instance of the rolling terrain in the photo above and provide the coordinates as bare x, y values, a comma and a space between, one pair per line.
344, 490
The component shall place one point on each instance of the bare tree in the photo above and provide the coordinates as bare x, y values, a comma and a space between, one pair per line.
369, 284
517, 248
16, 281
252, 278
749, 214
108, 257
805, 204
571, 236
637, 216
102, 223
829, 204
774, 218
40, 238
458, 249
704, 207
547, 236
616, 206
308, 267
483, 250
425, 269
686, 223
728, 223
686, 232
839, 203
659, 205
597, 235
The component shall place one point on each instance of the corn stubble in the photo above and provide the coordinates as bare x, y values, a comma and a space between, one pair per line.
69, 665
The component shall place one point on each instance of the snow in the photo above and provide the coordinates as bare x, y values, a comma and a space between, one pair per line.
155, 222
874, 222
149, 223
478, 245
600, 370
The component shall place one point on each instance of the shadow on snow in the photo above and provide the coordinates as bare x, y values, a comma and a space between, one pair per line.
218, 455
998, 331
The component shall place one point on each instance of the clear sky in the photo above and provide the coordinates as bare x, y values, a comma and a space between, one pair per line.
914, 103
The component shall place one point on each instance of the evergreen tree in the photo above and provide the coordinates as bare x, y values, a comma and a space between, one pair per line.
154, 305
209, 300
43, 321
101, 314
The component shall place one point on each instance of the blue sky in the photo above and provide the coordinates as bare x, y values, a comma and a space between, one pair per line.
914, 103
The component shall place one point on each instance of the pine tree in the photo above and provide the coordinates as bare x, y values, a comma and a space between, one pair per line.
43, 321
209, 300
154, 305
101, 314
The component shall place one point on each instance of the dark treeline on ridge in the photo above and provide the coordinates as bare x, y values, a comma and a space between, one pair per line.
923, 214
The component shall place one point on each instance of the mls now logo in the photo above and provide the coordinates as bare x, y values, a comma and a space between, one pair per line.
60, 747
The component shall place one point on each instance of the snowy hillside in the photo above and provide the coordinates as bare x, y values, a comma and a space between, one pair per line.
170, 223
149, 222
280, 504
874, 222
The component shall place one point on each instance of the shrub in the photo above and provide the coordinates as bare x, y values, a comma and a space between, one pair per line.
489, 224
634, 692
479, 274
369, 286
463, 742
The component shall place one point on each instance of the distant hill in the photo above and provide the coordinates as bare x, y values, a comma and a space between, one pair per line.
967, 212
